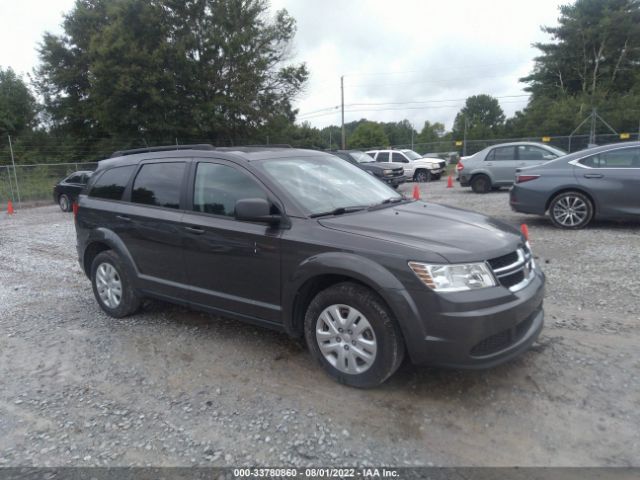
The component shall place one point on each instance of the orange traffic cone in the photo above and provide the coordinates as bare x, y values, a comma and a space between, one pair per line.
416, 192
450, 181
525, 231
10, 210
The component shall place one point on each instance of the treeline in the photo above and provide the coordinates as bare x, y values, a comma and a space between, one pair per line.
130, 73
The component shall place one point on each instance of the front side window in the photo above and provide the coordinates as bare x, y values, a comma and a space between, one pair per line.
399, 158
324, 184
218, 187
382, 157
503, 153
112, 183
159, 184
622, 158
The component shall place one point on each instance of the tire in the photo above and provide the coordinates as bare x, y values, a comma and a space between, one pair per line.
437, 176
379, 337
481, 184
108, 266
571, 210
422, 176
64, 202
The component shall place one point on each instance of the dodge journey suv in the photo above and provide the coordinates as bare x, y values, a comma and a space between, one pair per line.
308, 244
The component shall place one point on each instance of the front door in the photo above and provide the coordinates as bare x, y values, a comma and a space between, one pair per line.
232, 266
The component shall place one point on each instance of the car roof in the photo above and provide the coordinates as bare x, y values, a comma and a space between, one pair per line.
239, 153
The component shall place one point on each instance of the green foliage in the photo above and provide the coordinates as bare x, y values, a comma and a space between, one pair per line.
399, 133
17, 105
483, 116
368, 135
150, 72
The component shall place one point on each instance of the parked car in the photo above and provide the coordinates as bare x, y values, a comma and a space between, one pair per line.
66, 191
390, 173
495, 166
306, 243
601, 182
415, 167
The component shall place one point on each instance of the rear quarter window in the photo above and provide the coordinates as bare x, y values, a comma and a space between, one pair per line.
112, 183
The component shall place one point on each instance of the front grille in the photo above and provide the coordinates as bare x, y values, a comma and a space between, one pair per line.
398, 172
503, 339
514, 269
443, 164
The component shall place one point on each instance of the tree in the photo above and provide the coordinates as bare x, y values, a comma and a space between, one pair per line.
399, 133
150, 71
483, 116
431, 132
595, 50
17, 105
368, 135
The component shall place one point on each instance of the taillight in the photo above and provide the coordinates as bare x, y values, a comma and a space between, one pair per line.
75, 210
525, 178
459, 166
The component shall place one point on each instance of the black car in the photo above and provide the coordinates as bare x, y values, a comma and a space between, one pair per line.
389, 173
66, 192
308, 244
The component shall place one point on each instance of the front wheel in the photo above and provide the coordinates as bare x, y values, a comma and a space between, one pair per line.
422, 176
481, 184
352, 334
572, 210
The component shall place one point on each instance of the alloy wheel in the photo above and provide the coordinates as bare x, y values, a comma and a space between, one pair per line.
109, 285
570, 211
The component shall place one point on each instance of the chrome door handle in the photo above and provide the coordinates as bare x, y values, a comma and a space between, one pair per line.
593, 175
194, 230
123, 218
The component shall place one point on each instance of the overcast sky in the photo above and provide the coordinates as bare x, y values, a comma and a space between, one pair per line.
390, 52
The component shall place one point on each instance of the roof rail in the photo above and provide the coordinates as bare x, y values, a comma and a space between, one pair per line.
199, 146
270, 145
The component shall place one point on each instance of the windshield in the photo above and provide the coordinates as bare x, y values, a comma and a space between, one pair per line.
362, 157
324, 184
411, 154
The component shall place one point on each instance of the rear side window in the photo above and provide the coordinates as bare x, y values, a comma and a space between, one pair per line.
502, 153
111, 184
76, 178
624, 158
159, 184
382, 157
218, 188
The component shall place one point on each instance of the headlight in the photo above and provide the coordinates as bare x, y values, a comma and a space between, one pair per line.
387, 172
454, 278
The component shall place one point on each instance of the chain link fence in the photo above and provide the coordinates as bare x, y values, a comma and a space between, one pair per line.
33, 184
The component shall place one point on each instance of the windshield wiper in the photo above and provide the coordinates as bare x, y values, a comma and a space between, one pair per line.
338, 211
391, 200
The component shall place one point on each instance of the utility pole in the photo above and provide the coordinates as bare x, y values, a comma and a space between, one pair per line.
592, 133
411, 137
464, 138
15, 173
344, 143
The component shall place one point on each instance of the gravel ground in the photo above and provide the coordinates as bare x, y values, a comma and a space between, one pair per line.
173, 387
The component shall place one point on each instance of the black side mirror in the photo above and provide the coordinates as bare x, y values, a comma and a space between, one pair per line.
255, 210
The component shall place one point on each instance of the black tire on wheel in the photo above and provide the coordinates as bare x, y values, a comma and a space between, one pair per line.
64, 202
129, 302
390, 347
481, 184
422, 176
436, 176
571, 210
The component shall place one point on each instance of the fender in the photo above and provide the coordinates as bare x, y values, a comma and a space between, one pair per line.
110, 238
366, 271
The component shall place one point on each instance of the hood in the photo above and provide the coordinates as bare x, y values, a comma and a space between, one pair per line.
382, 165
455, 234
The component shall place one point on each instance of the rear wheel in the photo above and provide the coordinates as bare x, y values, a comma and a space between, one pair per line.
422, 176
572, 210
481, 184
352, 334
112, 286
64, 202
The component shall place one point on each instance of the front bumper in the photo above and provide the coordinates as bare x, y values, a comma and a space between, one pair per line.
466, 330
394, 181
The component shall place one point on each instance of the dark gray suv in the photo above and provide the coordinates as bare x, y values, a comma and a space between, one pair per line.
308, 244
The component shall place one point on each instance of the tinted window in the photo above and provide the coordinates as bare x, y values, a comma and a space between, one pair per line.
398, 157
624, 158
218, 188
528, 152
158, 184
112, 183
382, 157
503, 153
75, 179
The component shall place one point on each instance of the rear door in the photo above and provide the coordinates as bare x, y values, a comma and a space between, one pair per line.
154, 233
613, 179
233, 266
502, 163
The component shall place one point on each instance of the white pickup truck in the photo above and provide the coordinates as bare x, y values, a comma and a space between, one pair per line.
416, 167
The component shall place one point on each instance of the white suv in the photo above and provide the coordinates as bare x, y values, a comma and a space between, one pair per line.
415, 166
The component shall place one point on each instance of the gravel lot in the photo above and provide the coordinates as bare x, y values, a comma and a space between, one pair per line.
171, 386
